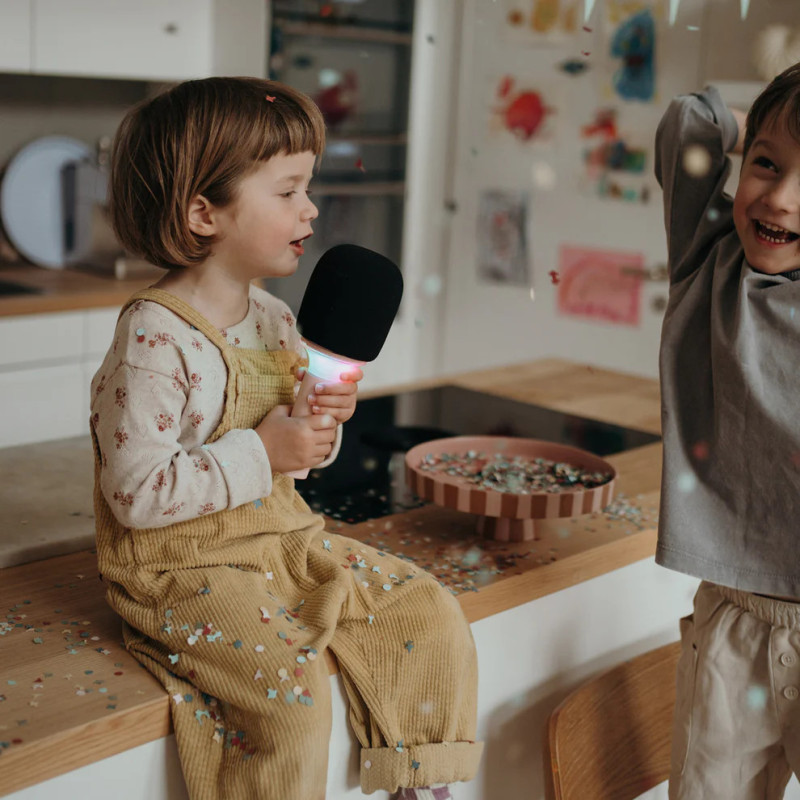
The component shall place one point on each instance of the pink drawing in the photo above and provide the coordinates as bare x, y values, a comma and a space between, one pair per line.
600, 284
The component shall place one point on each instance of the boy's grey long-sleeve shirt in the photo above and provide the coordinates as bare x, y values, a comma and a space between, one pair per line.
730, 377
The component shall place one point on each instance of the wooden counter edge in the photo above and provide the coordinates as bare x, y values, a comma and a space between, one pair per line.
27, 765
73, 748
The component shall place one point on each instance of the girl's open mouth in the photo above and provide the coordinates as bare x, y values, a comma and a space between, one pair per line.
297, 245
773, 234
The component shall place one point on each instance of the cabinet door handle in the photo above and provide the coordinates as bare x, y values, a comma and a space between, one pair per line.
659, 272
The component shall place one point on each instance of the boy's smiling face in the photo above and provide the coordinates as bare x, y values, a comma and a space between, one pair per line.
766, 209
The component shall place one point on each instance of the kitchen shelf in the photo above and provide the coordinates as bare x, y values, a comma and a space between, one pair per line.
351, 32
375, 188
389, 139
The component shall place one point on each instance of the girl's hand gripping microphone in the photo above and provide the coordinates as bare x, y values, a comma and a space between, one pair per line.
347, 311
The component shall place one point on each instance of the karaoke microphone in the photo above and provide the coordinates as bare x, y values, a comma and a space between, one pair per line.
347, 311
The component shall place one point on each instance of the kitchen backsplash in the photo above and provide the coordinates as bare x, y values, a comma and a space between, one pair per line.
85, 108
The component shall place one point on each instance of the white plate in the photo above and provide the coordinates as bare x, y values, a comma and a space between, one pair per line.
31, 198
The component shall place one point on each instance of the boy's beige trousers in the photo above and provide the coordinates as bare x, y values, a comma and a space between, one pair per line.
233, 612
737, 717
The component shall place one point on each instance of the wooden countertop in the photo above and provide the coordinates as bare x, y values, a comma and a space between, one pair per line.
64, 290
70, 689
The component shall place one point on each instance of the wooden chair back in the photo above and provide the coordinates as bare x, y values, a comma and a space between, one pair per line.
610, 738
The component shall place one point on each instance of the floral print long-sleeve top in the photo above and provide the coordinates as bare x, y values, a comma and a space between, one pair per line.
157, 398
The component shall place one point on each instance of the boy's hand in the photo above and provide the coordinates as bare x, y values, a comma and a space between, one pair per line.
295, 443
741, 120
336, 399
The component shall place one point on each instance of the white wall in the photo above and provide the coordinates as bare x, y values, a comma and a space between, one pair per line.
491, 324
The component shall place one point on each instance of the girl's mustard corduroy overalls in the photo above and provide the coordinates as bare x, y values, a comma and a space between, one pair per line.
234, 610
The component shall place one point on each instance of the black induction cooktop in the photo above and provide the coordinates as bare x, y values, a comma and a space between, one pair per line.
367, 480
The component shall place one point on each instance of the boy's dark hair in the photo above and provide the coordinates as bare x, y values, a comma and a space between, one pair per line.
778, 103
200, 137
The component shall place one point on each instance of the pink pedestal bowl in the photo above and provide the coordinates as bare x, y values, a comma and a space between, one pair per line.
506, 516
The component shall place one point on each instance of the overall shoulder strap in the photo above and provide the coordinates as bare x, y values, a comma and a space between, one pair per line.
182, 309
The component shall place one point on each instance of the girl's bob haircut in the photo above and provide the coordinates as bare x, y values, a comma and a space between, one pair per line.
199, 138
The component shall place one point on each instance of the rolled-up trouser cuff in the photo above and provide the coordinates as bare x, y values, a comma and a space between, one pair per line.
418, 765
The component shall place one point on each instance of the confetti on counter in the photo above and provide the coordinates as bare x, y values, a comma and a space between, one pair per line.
516, 475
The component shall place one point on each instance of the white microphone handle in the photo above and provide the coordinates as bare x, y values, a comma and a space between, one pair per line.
301, 408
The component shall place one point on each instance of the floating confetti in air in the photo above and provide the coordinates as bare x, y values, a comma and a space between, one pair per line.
554, 277
745, 8
686, 482
258, 676
414, 764
178, 698
360, 165
409, 645
543, 175
265, 617
588, 8
712, 214
399, 747
700, 450
387, 587
371, 618
174, 657
673, 10
696, 160
573, 66
272, 694
326, 544
756, 697
431, 285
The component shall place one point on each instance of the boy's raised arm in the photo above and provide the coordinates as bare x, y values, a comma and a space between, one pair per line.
691, 165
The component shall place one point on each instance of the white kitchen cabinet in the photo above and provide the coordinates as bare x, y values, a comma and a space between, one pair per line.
119, 39
156, 40
46, 365
42, 403
37, 338
15, 35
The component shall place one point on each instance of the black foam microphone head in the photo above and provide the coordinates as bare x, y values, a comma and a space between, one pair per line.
350, 302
